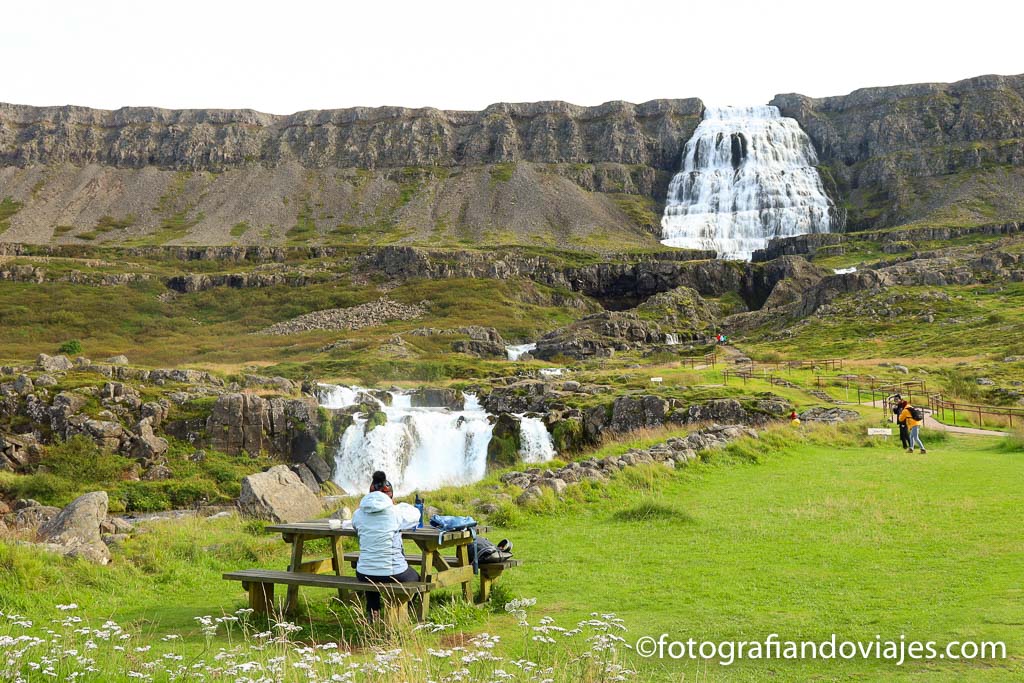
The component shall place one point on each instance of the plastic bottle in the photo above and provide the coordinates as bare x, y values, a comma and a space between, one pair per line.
419, 506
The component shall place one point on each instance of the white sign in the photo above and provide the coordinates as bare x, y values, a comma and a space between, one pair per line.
656, 379
873, 431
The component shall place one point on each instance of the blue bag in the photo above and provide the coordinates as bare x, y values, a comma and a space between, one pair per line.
446, 523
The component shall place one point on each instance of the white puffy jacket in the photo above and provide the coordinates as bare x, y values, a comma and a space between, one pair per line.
379, 523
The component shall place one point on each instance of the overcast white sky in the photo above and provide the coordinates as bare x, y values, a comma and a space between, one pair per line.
283, 57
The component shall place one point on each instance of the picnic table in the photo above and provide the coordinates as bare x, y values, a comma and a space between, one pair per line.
443, 560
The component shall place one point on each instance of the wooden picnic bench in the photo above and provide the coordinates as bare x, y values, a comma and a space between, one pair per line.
438, 567
259, 583
489, 571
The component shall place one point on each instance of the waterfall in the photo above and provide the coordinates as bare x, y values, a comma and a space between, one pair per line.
671, 339
517, 351
748, 176
535, 441
421, 448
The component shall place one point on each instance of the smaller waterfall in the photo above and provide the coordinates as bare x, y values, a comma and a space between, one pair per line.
422, 448
517, 351
535, 441
333, 396
672, 339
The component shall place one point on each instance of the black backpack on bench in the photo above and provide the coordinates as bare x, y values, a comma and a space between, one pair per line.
482, 551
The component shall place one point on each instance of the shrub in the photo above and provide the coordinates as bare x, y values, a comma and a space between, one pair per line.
72, 347
1014, 442
81, 461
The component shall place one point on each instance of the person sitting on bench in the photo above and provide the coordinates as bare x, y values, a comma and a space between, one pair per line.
379, 522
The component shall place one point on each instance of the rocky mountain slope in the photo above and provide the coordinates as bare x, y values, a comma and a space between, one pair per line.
547, 172
951, 154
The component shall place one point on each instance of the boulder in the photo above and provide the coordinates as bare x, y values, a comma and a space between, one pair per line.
719, 410
145, 444
116, 360
158, 472
553, 483
53, 363
829, 415
77, 528
278, 495
429, 397
28, 518
23, 385
506, 440
318, 466
630, 413
306, 476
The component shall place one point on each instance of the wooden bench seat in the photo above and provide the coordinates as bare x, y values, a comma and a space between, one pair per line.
260, 583
489, 571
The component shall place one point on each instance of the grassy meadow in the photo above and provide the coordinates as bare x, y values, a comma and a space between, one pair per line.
803, 533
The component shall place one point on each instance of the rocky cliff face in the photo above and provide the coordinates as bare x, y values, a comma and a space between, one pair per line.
512, 173
932, 151
649, 134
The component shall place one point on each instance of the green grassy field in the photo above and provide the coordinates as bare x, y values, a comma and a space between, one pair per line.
786, 535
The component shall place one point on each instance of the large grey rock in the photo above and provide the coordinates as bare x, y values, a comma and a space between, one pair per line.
278, 495
28, 518
77, 528
145, 444
630, 413
306, 476
829, 415
429, 397
53, 363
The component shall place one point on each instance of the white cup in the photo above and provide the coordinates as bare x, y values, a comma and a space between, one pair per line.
334, 523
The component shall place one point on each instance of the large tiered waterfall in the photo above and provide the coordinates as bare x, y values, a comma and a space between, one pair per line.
422, 448
748, 176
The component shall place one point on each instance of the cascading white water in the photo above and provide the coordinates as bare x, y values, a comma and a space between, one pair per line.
517, 351
671, 339
535, 441
422, 448
748, 176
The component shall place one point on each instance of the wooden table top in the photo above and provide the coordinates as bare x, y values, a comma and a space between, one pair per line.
320, 527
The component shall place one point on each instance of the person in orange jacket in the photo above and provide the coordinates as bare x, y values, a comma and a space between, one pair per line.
915, 426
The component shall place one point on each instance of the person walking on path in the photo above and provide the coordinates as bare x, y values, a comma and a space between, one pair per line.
914, 417
900, 404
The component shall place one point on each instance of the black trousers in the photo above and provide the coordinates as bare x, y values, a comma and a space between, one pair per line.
904, 435
373, 599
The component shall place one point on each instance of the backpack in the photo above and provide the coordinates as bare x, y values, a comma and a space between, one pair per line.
482, 551
916, 413
445, 523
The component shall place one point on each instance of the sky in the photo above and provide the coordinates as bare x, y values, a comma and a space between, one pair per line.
291, 56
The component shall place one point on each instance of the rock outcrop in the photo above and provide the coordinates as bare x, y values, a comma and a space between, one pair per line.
75, 531
880, 144
248, 423
278, 495
430, 397
598, 336
521, 166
